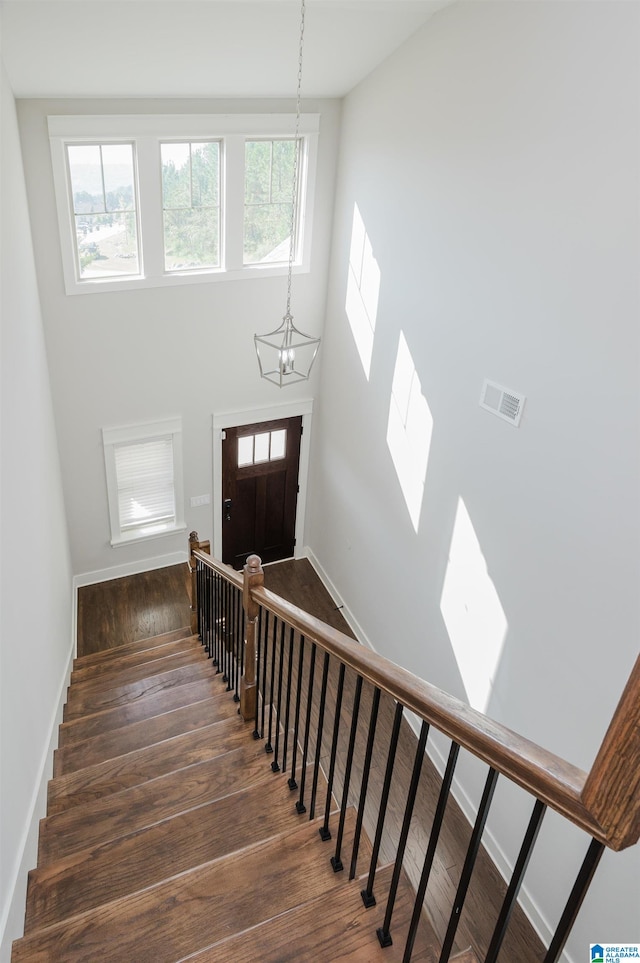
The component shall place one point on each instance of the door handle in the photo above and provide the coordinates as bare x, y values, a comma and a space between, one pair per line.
227, 509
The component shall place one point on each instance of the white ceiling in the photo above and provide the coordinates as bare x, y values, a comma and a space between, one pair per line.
199, 48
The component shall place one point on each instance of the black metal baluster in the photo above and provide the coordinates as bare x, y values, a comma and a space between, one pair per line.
336, 862
300, 806
265, 663
325, 835
467, 869
232, 635
223, 630
219, 623
199, 596
275, 764
516, 881
228, 624
576, 898
285, 740
434, 836
384, 936
214, 618
367, 894
365, 780
316, 761
269, 745
238, 644
292, 781
256, 732
202, 594
210, 612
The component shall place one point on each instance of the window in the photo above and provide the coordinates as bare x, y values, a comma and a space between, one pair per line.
144, 480
191, 205
181, 199
268, 200
104, 209
264, 447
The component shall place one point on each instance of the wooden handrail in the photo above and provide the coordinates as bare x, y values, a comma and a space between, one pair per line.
604, 802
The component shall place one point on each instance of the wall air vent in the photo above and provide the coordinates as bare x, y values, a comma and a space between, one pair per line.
503, 402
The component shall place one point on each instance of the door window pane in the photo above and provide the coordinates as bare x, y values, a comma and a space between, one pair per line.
278, 443
261, 448
245, 451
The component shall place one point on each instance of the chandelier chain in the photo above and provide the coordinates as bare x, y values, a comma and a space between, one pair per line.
296, 163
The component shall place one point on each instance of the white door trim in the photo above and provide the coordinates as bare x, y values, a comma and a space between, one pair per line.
250, 416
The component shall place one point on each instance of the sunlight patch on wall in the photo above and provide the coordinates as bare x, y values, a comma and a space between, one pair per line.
409, 431
472, 612
363, 288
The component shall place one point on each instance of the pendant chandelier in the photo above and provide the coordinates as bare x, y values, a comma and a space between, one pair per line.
286, 355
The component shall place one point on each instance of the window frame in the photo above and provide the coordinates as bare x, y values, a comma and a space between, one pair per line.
138, 434
147, 132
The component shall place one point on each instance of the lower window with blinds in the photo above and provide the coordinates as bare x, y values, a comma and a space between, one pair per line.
144, 480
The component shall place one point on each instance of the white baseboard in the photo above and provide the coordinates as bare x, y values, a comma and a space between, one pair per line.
348, 615
12, 921
129, 568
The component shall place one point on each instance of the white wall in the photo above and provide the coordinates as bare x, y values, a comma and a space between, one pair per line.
123, 357
35, 572
494, 162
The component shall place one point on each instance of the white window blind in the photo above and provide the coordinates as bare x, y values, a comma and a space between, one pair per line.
145, 488
144, 474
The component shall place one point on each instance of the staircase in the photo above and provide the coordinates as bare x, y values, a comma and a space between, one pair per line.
168, 837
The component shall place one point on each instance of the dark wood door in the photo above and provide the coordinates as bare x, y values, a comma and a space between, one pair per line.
260, 490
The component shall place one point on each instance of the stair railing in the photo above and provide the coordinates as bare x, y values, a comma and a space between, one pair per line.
287, 669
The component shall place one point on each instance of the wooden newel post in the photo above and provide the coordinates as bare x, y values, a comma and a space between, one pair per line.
612, 789
194, 543
253, 578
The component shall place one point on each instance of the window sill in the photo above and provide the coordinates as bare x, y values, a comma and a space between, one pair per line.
133, 282
136, 536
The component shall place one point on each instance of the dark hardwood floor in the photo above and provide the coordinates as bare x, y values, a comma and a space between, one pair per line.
132, 608
152, 603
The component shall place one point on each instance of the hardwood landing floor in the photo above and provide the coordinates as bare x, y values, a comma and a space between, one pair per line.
152, 603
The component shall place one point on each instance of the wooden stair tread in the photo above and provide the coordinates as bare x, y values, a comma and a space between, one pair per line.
112, 775
467, 956
87, 879
332, 928
140, 645
150, 705
137, 735
189, 911
99, 670
122, 675
131, 809
87, 703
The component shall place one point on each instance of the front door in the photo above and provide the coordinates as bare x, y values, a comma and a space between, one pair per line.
259, 490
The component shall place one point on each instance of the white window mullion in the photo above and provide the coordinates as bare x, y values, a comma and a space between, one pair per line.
234, 206
150, 194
